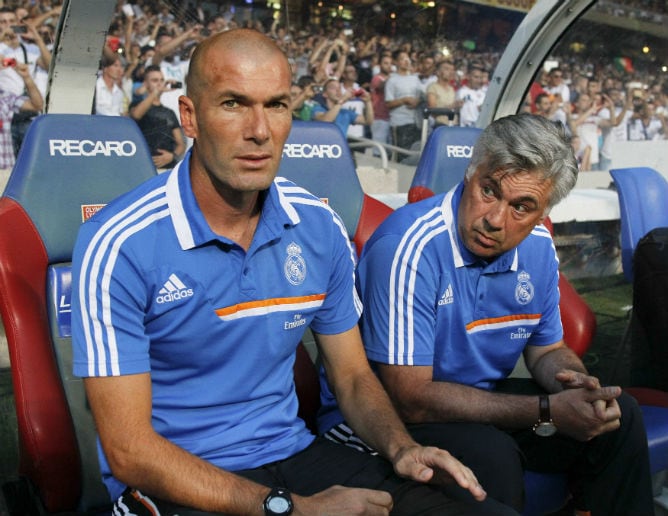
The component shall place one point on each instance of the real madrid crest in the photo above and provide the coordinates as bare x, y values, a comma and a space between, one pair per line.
524, 289
295, 266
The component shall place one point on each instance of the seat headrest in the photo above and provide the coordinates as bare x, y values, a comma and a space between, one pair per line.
443, 161
71, 165
316, 157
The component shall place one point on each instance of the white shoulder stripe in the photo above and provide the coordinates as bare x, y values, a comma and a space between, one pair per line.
97, 251
400, 298
179, 218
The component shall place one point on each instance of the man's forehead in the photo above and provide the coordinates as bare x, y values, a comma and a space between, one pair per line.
534, 178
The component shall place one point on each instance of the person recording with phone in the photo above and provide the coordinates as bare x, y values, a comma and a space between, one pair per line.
304, 95
335, 111
158, 123
12, 45
11, 104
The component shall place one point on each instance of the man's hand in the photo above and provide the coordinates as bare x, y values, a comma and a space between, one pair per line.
162, 158
427, 463
570, 379
584, 409
344, 501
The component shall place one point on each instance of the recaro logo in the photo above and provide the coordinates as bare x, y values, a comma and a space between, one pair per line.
88, 148
305, 150
459, 151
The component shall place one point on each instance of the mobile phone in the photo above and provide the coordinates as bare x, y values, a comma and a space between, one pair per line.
128, 10
8, 61
19, 29
316, 88
177, 84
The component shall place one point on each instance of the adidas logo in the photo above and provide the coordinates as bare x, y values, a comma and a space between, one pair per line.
173, 290
447, 297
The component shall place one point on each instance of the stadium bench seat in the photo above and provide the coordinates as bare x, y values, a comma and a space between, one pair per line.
69, 166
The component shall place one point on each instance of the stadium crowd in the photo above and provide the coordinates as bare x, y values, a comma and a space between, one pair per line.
369, 83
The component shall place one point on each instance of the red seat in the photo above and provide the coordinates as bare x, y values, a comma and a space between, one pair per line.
69, 165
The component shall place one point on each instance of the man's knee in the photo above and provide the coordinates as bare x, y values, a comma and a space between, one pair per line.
481, 448
474, 440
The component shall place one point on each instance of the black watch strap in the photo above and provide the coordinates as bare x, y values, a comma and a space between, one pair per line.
545, 426
544, 409
278, 502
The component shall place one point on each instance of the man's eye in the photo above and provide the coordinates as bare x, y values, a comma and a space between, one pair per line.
279, 105
231, 103
487, 191
521, 208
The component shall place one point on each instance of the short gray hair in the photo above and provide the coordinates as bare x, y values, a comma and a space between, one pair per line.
532, 143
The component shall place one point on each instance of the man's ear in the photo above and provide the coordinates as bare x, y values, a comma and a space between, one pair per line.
188, 117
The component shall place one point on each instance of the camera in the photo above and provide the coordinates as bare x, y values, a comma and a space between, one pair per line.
8, 61
316, 88
19, 29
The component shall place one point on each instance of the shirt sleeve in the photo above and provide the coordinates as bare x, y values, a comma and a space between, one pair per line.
342, 308
108, 296
549, 330
399, 295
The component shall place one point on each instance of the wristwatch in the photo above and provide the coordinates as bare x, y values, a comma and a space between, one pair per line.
544, 427
278, 502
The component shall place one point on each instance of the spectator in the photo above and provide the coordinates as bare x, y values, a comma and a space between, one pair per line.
174, 66
354, 103
645, 125
10, 104
556, 85
472, 96
328, 59
403, 92
618, 111
426, 74
188, 418
335, 112
441, 94
109, 97
551, 107
579, 86
380, 128
585, 122
304, 92
36, 55
158, 124
582, 153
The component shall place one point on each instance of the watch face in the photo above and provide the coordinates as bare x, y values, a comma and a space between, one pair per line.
278, 505
545, 429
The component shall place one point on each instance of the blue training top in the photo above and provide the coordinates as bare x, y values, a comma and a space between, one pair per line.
155, 290
428, 301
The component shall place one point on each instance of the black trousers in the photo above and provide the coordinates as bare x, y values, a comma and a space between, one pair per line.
324, 464
405, 136
608, 475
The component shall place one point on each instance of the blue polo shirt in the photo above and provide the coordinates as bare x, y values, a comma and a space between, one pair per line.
155, 290
429, 301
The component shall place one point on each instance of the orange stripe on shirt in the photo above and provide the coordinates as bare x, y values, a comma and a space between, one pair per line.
277, 301
500, 320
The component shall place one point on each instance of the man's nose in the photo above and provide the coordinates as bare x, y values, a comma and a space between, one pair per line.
257, 127
495, 217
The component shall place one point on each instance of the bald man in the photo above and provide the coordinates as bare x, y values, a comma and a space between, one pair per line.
183, 291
